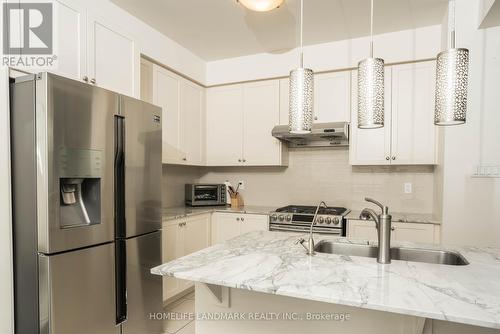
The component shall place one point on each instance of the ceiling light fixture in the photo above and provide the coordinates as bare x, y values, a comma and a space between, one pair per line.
452, 71
261, 5
301, 91
371, 88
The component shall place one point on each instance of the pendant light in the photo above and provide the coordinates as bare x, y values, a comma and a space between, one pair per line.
301, 91
261, 5
452, 71
371, 88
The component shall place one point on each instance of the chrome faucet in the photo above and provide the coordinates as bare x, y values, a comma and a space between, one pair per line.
310, 243
383, 224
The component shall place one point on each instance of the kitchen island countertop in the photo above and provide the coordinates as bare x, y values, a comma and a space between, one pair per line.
272, 263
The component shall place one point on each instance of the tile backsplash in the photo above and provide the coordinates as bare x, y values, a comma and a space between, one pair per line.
314, 175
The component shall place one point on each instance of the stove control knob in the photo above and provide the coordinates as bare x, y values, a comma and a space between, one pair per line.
328, 220
336, 220
320, 220
288, 218
281, 218
274, 217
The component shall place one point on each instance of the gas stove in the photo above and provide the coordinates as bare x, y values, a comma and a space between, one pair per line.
298, 218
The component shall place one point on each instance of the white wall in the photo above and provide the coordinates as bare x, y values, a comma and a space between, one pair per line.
471, 206
6, 285
407, 45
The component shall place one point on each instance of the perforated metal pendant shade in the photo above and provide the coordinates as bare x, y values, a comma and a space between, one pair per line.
300, 111
371, 93
371, 88
301, 100
452, 73
452, 77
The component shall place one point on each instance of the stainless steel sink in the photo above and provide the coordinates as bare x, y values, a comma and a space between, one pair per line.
397, 253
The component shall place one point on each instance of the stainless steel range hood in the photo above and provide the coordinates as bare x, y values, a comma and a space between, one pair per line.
322, 135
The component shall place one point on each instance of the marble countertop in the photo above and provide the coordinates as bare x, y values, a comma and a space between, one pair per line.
401, 217
172, 213
270, 262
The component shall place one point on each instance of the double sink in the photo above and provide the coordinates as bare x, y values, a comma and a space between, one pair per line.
397, 253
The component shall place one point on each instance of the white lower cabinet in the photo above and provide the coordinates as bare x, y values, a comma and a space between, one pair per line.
413, 232
229, 225
182, 237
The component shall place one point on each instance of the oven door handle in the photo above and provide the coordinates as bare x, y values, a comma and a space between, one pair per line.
300, 230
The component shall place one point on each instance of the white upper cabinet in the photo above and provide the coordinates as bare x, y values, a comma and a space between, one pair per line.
413, 129
371, 146
225, 126
112, 58
409, 135
239, 122
260, 115
192, 137
94, 50
332, 97
284, 100
183, 110
166, 94
71, 36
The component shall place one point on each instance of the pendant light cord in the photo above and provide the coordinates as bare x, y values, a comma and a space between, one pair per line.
451, 25
371, 29
301, 33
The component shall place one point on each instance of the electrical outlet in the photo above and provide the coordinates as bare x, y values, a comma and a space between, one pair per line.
408, 188
242, 185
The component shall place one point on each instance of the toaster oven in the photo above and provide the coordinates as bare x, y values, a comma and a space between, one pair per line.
205, 194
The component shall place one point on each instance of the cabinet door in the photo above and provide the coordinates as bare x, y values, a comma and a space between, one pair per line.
361, 229
284, 100
413, 232
71, 35
225, 226
413, 130
192, 122
166, 94
260, 115
332, 97
225, 125
171, 249
113, 59
370, 146
251, 223
196, 234
146, 81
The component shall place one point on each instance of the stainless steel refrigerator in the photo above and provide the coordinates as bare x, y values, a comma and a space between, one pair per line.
86, 175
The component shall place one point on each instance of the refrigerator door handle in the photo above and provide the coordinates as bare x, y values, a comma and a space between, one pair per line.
119, 177
120, 246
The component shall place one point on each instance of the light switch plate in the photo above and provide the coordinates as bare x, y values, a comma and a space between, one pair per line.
242, 185
408, 187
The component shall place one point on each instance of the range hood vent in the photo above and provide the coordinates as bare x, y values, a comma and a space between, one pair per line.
322, 135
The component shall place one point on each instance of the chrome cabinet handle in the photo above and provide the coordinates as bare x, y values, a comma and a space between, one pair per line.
239, 160
244, 160
387, 158
394, 158
92, 81
393, 228
85, 78
238, 219
184, 159
242, 219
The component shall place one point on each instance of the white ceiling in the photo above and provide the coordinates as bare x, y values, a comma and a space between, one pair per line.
217, 29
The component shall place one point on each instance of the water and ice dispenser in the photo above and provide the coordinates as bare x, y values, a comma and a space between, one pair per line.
79, 187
